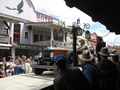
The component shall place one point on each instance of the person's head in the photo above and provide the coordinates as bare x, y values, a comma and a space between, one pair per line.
99, 39
86, 56
82, 41
3, 59
11, 59
20, 62
23, 57
61, 62
18, 58
28, 60
104, 53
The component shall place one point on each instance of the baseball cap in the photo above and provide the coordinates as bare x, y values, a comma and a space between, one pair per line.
59, 57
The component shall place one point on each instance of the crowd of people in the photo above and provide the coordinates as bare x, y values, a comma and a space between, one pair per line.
98, 71
13, 66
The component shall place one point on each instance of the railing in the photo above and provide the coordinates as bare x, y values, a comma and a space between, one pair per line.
42, 43
55, 43
62, 44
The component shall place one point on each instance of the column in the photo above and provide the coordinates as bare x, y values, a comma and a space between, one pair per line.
64, 37
11, 34
52, 38
13, 52
21, 32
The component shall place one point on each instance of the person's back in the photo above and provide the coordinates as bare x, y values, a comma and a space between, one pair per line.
70, 78
89, 69
108, 71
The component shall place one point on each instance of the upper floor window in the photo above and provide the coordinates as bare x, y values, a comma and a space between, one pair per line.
17, 28
26, 34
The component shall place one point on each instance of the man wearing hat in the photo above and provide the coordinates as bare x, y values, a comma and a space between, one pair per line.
68, 78
89, 68
108, 71
100, 44
82, 47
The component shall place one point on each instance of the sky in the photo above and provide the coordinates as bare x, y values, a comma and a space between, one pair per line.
59, 10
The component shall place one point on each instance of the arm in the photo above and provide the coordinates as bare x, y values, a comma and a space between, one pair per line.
82, 48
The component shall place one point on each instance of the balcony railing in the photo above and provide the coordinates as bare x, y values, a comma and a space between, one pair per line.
42, 43
55, 43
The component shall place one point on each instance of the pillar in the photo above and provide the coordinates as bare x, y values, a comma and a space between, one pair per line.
52, 38
11, 32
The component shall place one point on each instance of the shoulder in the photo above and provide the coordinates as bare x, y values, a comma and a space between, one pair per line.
91, 66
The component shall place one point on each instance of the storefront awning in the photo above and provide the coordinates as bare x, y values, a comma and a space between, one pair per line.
5, 46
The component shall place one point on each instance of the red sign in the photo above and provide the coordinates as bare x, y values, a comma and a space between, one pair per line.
45, 18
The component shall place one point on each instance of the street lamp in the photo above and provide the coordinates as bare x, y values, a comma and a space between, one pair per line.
78, 31
87, 33
61, 31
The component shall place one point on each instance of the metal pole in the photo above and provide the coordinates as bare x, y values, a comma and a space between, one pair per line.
74, 45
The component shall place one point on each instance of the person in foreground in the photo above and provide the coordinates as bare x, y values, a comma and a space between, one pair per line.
108, 71
89, 69
67, 77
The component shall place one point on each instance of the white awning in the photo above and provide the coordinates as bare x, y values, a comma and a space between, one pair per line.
5, 46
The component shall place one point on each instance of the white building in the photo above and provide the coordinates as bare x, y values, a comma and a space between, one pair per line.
26, 31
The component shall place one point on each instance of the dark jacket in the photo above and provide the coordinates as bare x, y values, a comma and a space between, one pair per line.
108, 74
71, 79
91, 72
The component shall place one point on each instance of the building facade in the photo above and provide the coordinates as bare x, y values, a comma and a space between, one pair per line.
24, 31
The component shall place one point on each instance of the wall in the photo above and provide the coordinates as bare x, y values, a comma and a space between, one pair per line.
23, 9
4, 37
24, 29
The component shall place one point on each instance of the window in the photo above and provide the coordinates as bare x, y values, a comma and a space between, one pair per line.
35, 37
16, 33
26, 34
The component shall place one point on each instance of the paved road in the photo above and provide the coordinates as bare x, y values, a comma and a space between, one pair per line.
27, 81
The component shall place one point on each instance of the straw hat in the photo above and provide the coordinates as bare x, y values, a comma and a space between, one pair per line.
104, 51
81, 40
114, 52
86, 56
